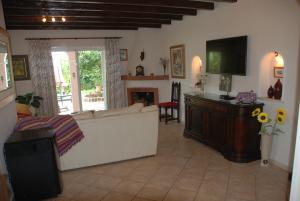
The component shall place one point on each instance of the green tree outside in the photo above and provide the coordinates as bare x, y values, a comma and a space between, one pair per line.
90, 70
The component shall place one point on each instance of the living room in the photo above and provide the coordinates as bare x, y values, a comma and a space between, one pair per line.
271, 26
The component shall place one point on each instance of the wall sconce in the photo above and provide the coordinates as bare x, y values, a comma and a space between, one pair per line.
278, 60
196, 69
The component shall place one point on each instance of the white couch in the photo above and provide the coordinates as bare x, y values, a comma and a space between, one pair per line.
112, 136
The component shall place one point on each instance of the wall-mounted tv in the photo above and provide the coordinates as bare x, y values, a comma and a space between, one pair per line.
227, 56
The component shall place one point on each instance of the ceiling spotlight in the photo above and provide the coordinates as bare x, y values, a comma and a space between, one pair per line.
44, 19
63, 19
53, 19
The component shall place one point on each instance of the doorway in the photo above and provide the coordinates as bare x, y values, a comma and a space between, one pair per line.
79, 80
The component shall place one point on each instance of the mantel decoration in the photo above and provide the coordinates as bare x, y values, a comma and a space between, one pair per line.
268, 129
164, 62
177, 61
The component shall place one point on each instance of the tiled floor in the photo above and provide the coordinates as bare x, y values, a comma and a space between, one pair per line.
183, 170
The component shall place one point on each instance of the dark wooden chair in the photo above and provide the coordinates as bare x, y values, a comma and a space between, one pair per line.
173, 105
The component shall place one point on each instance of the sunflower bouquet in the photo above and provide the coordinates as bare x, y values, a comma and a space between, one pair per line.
268, 126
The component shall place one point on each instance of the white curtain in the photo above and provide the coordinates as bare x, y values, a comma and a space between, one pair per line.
114, 85
42, 76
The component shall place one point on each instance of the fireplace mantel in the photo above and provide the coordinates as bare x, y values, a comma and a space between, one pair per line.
147, 77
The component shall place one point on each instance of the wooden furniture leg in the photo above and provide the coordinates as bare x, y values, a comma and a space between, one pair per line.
3, 189
166, 115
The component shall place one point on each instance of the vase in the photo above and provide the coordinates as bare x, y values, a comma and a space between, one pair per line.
33, 111
270, 92
165, 67
23, 108
278, 90
265, 148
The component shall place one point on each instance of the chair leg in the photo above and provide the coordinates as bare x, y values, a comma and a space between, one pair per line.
166, 117
159, 114
178, 115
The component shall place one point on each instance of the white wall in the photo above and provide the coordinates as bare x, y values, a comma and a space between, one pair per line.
270, 25
7, 115
295, 190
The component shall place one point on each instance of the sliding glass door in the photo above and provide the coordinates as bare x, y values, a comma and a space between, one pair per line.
79, 80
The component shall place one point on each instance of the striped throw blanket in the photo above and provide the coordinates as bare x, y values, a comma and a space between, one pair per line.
67, 131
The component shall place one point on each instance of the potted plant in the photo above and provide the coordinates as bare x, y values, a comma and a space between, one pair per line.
269, 128
28, 103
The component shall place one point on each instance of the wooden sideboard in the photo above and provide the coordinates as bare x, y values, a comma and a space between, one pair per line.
224, 125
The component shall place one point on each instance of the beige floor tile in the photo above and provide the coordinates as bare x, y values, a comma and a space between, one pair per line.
163, 180
72, 190
141, 199
86, 179
129, 187
209, 197
214, 188
153, 192
242, 189
180, 195
187, 183
106, 182
115, 196
169, 170
91, 194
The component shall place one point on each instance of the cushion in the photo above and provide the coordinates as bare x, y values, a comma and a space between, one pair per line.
150, 108
137, 107
125, 110
168, 104
83, 115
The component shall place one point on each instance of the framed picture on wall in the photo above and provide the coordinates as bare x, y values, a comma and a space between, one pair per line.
20, 67
177, 61
123, 55
278, 72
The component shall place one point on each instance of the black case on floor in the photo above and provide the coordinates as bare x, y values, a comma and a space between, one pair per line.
31, 160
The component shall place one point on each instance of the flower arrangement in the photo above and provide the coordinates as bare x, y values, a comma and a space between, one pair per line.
164, 62
268, 127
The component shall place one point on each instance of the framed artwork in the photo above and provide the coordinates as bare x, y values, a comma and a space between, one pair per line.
20, 67
123, 55
278, 72
177, 61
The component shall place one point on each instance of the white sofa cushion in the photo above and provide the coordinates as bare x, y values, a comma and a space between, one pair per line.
150, 108
83, 115
137, 107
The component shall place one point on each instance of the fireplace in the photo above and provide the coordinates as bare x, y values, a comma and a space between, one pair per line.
148, 96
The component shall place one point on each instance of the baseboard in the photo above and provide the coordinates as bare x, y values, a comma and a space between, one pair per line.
282, 166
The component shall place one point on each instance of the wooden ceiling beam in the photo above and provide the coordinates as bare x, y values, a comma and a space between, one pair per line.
30, 12
59, 27
94, 24
165, 3
17, 4
14, 19
229, 1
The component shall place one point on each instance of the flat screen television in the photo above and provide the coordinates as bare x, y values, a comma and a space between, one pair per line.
227, 56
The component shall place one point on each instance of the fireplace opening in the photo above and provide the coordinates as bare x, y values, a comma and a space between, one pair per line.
147, 96
143, 97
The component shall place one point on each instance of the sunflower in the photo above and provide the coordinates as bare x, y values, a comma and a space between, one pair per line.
281, 112
280, 119
263, 117
256, 112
